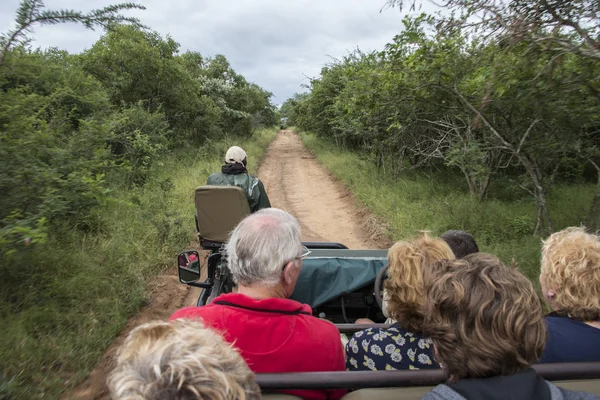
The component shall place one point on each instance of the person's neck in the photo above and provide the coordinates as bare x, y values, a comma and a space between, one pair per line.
262, 292
595, 324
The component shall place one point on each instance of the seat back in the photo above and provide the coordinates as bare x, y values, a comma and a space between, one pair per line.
404, 393
581, 385
417, 392
218, 210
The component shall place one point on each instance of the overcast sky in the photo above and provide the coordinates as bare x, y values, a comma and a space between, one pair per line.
274, 43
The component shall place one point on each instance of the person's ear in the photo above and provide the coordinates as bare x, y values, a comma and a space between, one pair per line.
288, 273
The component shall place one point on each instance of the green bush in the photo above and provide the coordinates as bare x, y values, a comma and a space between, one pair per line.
100, 153
136, 139
79, 288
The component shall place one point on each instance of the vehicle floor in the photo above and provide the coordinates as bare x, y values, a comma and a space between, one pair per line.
296, 182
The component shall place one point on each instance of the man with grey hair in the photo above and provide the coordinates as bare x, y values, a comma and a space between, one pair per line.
272, 332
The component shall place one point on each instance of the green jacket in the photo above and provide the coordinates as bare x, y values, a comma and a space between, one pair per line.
253, 187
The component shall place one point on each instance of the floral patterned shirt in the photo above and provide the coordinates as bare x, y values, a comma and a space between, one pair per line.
388, 349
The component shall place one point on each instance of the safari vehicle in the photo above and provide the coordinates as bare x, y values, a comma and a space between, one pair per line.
340, 285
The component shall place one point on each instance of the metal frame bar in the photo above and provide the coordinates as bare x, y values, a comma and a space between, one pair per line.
378, 379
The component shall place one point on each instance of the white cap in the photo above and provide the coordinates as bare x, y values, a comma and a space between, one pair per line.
234, 155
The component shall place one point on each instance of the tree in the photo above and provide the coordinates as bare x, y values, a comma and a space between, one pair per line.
30, 13
560, 26
439, 98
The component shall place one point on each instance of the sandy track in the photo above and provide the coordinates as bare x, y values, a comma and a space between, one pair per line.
295, 182
298, 184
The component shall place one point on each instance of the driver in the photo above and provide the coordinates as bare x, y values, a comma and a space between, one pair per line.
234, 173
272, 332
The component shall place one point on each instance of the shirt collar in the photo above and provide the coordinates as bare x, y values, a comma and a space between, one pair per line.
271, 304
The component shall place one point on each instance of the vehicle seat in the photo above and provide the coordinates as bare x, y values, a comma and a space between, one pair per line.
404, 393
218, 210
581, 385
417, 392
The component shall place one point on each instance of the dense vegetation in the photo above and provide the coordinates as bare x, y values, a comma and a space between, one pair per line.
438, 201
99, 153
506, 96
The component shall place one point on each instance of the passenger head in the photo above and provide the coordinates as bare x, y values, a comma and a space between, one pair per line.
570, 273
180, 360
409, 266
235, 155
484, 318
462, 243
265, 249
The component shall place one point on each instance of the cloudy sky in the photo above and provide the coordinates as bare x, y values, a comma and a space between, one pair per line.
274, 43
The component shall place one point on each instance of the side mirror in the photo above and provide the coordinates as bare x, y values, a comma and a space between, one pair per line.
189, 266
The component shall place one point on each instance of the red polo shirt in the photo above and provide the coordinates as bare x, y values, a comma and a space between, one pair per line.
275, 335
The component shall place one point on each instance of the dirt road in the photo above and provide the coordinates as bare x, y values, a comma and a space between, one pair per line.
298, 184
295, 182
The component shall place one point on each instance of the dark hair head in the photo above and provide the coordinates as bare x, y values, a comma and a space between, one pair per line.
485, 319
462, 243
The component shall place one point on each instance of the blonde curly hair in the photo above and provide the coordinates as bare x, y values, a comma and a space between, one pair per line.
571, 268
409, 267
180, 360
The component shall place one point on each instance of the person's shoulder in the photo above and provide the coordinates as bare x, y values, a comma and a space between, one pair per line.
215, 177
379, 332
322, 325
396, 336
190, 312
566, 324
392, 333
556, 320
442, 392
254, 179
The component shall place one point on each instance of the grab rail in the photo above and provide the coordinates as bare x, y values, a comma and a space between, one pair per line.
325, 245
375, 379
351, 328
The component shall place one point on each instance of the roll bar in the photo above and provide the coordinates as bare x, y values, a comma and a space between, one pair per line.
351, 328
325, 245
432, 377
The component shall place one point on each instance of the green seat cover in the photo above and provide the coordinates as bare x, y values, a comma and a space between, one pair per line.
327, 274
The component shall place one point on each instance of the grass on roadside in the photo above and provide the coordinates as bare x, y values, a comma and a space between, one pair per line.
438, 203
86, 285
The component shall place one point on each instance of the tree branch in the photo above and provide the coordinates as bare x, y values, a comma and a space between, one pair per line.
29, 14
525, 136
506, 143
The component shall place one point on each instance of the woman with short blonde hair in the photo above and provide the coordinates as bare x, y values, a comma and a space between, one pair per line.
401, 346
409, 263
570, 281
180, 360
